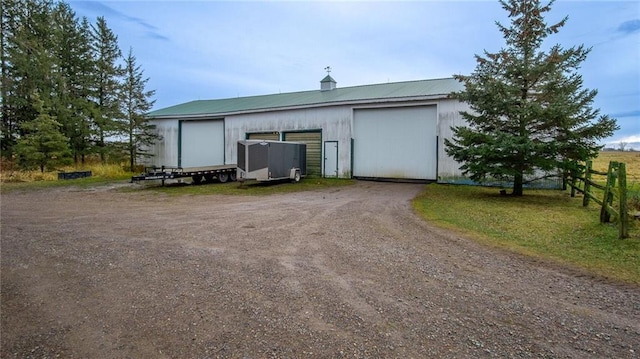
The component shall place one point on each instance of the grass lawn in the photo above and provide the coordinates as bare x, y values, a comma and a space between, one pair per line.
543, 223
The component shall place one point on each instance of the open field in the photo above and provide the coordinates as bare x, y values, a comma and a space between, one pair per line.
631, 160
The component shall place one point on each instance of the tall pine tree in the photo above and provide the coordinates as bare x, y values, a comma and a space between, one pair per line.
108, 85
27, 65
136, 102
530, 114
75, 86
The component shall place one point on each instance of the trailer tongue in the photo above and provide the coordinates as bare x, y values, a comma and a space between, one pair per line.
198, 175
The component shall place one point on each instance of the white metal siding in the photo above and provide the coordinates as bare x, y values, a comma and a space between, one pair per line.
334, 122
164, 151
449, 116
395, 142
202, 143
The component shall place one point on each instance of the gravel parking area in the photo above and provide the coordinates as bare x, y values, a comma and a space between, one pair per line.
346, 272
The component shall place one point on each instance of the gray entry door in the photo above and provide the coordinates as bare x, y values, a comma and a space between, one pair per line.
331, 158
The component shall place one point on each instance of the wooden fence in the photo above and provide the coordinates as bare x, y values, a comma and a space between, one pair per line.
615, 190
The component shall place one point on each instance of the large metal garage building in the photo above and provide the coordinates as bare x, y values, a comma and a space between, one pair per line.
387, 131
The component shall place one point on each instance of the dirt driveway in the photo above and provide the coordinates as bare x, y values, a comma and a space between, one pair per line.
349, 272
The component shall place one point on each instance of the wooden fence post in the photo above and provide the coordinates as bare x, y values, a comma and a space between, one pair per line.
622, 194
587, 183
605, 217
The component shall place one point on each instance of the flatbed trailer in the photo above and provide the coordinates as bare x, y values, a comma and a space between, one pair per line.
221, 173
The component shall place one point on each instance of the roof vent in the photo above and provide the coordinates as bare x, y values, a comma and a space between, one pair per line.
327, 83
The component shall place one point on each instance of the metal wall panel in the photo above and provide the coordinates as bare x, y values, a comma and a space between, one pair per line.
201, 143
164, 151
396, 142
313, 139
334, 122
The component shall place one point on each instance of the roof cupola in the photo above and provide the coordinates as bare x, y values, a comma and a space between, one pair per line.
327, 83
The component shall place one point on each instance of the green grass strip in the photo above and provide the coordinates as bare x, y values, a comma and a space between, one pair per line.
543, 223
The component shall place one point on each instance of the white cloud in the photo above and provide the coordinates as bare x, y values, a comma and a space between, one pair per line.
218, 49
627, 139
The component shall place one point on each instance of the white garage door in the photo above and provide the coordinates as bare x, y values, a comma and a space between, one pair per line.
395, 143
201, 143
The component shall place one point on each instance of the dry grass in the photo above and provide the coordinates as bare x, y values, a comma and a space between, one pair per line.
10, 173
631, 160
632, 164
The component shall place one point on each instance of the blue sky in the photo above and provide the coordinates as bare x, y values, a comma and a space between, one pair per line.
194, 50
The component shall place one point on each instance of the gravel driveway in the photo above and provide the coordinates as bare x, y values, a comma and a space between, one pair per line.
347, 272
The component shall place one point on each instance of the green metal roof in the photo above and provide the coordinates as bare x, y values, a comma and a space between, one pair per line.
435, 88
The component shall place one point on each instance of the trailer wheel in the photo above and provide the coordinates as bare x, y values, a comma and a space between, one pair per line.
232, 176
197, 179
223, 177
296, 177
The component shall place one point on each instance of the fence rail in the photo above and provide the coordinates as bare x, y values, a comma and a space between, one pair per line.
615, 189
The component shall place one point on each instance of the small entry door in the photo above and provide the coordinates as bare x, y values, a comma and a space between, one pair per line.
331, 158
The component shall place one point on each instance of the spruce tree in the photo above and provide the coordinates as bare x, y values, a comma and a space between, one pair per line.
108, 85
27, 64
42, 144
74, 87
136, 102
530, 115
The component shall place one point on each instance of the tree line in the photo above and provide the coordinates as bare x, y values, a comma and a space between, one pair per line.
67, 91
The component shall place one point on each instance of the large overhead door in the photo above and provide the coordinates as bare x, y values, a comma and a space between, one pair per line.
395, 143
313, 139
201, 143
269, 136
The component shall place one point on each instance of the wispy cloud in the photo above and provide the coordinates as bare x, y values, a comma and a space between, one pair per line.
103, 10
629, 27
633, 113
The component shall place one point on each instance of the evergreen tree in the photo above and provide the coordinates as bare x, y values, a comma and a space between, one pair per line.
108, 86
74, 88
136, 102
42, 145
7, 26
530, 114
27, 64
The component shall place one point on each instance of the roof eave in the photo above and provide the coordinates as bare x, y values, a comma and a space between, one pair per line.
297, 107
